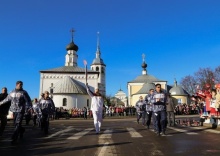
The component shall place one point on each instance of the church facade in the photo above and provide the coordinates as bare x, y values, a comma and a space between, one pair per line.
66, 84
120, 98
141, 85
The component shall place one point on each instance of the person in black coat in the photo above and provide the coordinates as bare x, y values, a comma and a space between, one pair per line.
4, 110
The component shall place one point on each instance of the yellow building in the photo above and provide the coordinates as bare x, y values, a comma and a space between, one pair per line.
179, 95
141, 85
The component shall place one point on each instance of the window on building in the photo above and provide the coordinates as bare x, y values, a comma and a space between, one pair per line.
179, 101
97, 69
64, 102
103, 70
87, 102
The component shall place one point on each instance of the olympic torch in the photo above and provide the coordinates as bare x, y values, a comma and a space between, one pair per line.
85, 64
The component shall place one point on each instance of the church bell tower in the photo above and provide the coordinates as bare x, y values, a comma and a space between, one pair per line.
98, 65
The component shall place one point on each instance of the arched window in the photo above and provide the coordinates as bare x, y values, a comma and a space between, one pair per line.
97, 69
87, 102
64, 102
103, 70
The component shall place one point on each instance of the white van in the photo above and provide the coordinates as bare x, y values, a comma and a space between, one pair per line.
10, 115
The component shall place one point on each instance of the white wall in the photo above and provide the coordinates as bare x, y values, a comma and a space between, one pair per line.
46, 79
73, 100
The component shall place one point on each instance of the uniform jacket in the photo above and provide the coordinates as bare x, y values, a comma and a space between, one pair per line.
139, 106
19, 100
47, 105
149, 99
159, 102
36, 108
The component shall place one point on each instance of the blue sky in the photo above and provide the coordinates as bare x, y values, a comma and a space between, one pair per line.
177, 37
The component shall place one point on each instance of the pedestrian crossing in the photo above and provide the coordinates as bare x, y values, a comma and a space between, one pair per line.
74, 133
80, 134
60, 132
106, 134
133, 133
183, 131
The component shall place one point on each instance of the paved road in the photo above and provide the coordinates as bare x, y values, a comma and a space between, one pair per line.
118, 137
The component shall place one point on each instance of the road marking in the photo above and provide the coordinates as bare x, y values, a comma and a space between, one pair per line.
6, 140
103, 149
80, 134
192, 133
167, 135
60, 132
106, 134
183, 131
179, 130
133, 133
207, 130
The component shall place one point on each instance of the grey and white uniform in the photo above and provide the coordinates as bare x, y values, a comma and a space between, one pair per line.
139, 109
19, 101
47, 106
159, 110
36, 113
149, 109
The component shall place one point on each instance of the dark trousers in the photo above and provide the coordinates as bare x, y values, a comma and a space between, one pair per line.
149, 115
3, 119
161, 119
19, 130
35, 120
85, 115
144, 118
139, 115
45, 123
154, 121
171, 118
27, 118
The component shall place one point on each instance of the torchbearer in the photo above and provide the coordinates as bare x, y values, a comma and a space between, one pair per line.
96, 104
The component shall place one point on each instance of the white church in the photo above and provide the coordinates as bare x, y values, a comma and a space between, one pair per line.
66, 84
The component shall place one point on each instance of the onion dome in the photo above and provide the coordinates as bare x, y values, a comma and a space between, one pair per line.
144, 65
72, 46
177, 90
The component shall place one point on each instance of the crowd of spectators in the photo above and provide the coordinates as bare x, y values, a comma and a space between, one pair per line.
180, 109
185, 109
107, 111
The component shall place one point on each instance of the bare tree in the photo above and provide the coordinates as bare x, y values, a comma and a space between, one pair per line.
189, 84
217, 75
204, 76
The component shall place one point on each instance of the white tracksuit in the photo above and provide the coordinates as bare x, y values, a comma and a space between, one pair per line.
97, 108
